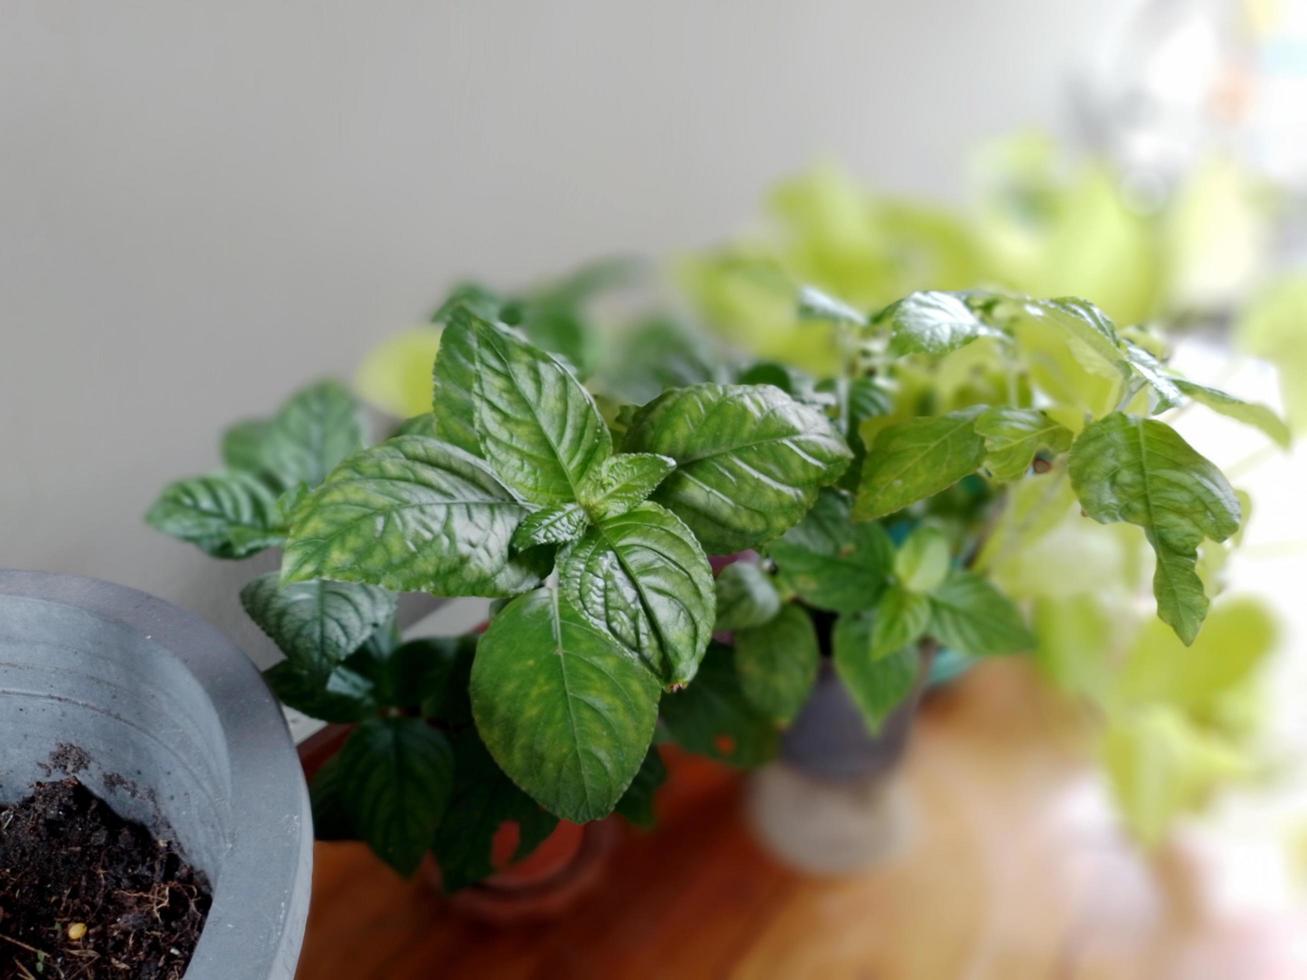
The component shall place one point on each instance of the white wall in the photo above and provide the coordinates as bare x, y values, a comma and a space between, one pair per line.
203, 202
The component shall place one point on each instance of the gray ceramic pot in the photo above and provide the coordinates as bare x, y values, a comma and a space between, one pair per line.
179, 730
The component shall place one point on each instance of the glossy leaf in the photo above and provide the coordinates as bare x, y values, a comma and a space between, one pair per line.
750, 460
642, 579
829, 561
1087, 330
412, 515
1142, 472
316, 624
777, 663
1013, 436
399, 772
901, 619
226, 515
967, 613
712, 717
316, 429
455, 390
878, 684
917, 459
745, 597
1166, 392
536, 426
623, 481
1250, 413
564, 709
931, 323
483, 801
553, 525
637, 803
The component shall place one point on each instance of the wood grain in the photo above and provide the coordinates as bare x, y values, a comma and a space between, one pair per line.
1015, 869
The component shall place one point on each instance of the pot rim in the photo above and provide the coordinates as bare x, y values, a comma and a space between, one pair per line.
255, 927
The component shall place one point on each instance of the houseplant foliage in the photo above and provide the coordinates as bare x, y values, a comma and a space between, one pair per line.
867, 497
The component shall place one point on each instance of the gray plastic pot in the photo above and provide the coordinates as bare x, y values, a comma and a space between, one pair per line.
179, 730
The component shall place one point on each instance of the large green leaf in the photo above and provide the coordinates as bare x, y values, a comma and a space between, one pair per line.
455, 393
878, 684
316, 624
536, 426
1250, 413
712, 716
413, 515
226, 515
968, 614
642, 578
750, 460
1014, 435
931, 323
484, 799
1142, 472
314, 430
777, 663
399, 772
745, 597
565, 710
917, 459
637, 803
829, 561
623, 481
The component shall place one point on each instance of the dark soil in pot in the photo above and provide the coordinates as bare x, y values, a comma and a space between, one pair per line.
87, 894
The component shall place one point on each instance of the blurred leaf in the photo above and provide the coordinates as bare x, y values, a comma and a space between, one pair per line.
395, 376
878, 684
1250, 413
923, 559
745, 597
1273, 326
637, 803
777, 663
829, 561
712, 717
901, 619
967, 613
226, 515
931, 323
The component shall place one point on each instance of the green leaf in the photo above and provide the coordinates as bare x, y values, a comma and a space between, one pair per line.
1087, 330
553, 525
777, 663
637, 804
917, 459
1250, 413
242, 445
484, 799
412, 515
448, 700
712, 717
346, 696
328, 796
750, 460
745, 597
566, 712
455, 389
923, 560
967, 613
642, 579
226, 515
419, 425
1014, 435
316, 429
399, 772
817, 305
656, 355
538, 428
878, 684
316, 624
1140, 471
829, 561
621, 482
1166, 393
931, 323
901, 619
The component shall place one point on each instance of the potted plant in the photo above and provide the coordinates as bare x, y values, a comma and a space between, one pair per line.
871, 495
202, 865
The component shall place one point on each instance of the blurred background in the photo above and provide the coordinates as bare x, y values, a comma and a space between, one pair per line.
204, 204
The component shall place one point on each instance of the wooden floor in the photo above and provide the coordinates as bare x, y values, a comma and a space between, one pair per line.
1014, 871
